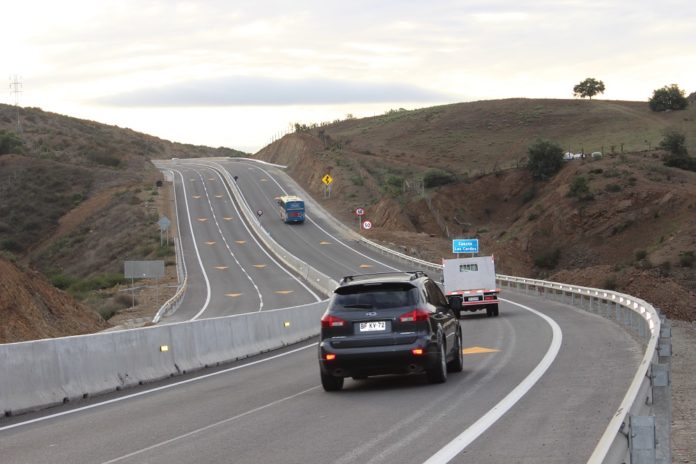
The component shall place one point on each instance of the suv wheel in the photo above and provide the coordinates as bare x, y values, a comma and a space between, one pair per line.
457, 362
438, 374
331, 383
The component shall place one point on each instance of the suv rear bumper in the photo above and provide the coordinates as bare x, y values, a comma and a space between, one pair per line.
376, 360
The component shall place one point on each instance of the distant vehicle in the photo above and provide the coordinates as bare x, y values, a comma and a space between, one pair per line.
470, 284
292, 208
596, 154
388, 323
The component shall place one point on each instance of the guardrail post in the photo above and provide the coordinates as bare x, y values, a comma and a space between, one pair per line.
662, 392
641, 439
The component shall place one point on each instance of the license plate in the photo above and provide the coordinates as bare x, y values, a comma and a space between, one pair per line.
473, 298
373, 326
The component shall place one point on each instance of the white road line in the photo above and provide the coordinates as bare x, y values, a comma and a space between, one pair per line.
153, 390
253, 237
208, 427
227, 245
195, 247
464, 439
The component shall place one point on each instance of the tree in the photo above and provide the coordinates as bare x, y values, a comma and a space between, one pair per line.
588, 88
545, 159
669, 97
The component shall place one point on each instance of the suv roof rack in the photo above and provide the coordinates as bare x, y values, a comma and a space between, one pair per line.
413, 275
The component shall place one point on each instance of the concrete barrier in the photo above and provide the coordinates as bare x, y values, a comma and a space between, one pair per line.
43, 373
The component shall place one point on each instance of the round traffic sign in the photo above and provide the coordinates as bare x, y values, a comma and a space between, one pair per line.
359, 211
367, 225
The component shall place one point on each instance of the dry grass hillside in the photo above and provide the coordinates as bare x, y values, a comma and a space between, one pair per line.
635, 231
77, 199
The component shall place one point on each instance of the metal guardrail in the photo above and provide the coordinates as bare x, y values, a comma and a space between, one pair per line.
640, 430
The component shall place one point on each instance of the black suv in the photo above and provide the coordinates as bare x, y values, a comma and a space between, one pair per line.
388, 323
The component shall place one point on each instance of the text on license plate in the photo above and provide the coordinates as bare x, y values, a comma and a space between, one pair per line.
373, 326
473, 298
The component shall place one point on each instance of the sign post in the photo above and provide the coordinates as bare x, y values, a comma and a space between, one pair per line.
327, 179
360, 212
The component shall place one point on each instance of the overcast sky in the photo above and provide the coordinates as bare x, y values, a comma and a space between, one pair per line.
236, 73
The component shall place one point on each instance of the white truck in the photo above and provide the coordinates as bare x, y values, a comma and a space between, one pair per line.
470, 284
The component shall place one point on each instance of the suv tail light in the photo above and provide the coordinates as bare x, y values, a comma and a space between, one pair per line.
415, 316
328, 321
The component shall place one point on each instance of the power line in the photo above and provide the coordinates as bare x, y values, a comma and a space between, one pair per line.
15, 90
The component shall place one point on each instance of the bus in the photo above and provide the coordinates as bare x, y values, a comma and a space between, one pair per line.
291, 208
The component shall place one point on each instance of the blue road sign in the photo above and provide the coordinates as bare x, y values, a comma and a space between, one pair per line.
467, 245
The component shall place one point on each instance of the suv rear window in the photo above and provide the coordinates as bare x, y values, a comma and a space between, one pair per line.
379, 296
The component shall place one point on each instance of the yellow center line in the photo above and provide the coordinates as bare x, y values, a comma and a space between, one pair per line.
260, 266
221, 268
241, 242
233, 295
210, 243
284, 292
196, 197
365, 265
324, 242
202, 219
228, 218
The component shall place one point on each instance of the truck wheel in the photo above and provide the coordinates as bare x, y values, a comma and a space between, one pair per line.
489, 311
495, 310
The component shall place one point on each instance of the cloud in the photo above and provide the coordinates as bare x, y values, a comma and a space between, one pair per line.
242, 91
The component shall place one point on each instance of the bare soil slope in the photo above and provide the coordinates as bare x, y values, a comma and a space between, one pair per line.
32, 308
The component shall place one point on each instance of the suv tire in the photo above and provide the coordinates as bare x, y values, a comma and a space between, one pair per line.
457, 362
330, 382
438, 374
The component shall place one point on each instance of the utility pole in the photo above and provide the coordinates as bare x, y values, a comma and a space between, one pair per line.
16, 89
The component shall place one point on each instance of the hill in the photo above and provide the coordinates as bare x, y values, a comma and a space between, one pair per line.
635, 232
78, 198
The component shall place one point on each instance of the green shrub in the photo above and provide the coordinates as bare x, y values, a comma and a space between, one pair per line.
435, 177
545, 159
641, 254
613, 188
687, 259
10, 143
548, 259
580, 189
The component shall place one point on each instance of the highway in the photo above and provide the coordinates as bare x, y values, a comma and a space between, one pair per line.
540, 382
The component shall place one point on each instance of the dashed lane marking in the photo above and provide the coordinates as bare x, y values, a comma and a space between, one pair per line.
241, 242
365, 266
259, 266
478, 350
221, 268
284, 292
233, 295
210, 243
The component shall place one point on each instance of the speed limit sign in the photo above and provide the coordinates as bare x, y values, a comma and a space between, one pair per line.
367, 225
359, 211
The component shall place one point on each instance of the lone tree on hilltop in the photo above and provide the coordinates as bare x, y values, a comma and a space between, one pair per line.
545, 159
588, 88
669, 97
